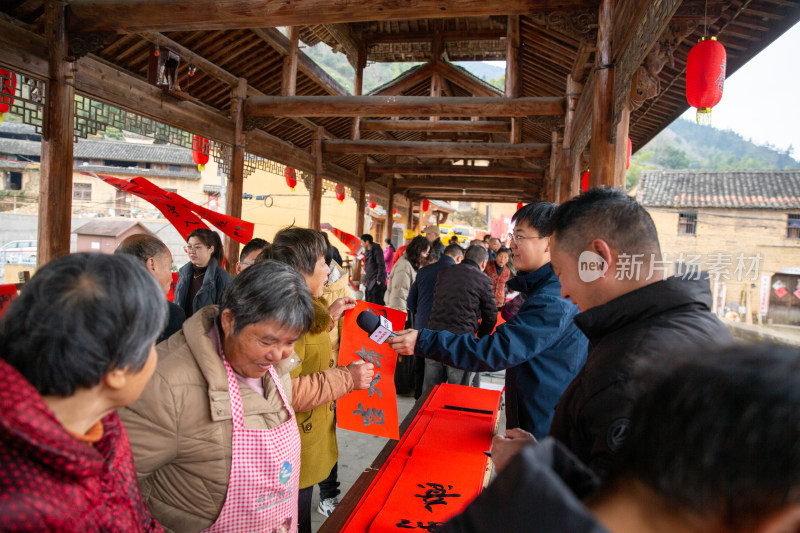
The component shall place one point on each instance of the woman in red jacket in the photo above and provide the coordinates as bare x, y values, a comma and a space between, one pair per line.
77, 344
500, 273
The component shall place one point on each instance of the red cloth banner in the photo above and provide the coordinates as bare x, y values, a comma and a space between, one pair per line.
182, 214
372, 411
7, 293
352, 242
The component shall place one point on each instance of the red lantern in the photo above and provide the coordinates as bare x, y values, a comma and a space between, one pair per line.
394, 212
372, 203
630, 151
519, 206
705, 77
585, 181
425, 205
291, 177
340, 193
7, 91
200, 152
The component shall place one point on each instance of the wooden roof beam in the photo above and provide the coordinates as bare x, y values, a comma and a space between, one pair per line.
465, 126
189, 15
466, 81
447, 36
455, 184
410, 106
407, 81
438, 149
454, 170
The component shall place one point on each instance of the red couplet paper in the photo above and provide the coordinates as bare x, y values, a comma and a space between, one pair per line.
8, 293
352, 242
372, 411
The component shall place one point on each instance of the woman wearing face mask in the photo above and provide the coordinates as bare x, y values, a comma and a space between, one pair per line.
202, 280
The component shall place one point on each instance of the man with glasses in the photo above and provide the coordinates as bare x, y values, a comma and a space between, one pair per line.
541, 348
249, 253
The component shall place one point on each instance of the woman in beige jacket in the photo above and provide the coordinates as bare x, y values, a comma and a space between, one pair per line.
404, 272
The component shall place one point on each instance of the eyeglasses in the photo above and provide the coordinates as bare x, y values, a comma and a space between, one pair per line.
251, 263
516, 239
196, 248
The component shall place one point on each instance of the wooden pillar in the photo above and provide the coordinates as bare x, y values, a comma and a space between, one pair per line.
233, 205
568, 187
410, 214
390, 210
288, 87
622, 146
436, 87
512, 72
554, 176
420, 225
361, 204
358, 85
603, 151
315, 206
55, 188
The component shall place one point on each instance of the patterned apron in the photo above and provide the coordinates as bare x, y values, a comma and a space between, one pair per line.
265, 472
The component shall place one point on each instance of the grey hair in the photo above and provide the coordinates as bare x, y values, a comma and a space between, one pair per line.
269, 290
80, 317
142, 246
476, 253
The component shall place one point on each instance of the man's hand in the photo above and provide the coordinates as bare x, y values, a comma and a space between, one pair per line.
404, 341
505, 448
361, 373
341, 305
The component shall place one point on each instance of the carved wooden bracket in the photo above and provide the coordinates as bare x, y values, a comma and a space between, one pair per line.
81, 44
548, 123
257, 123
581, 24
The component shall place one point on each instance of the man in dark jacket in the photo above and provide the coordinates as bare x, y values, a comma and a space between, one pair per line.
437, 246
606, 253
420, 297
374, 270
730, 469
463, 295
540, 348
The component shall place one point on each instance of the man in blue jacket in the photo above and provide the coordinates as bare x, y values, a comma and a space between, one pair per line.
541, 348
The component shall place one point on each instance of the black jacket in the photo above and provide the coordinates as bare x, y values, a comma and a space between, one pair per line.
210, 293
673, 315
374, 266
463, 294
420, 296
177, 316
540, 490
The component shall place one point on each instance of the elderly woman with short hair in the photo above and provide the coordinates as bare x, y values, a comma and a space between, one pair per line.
77, 344
214, 434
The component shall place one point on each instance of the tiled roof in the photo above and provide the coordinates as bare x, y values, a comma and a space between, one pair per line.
193, 174
777, 189
108, 228
110, 150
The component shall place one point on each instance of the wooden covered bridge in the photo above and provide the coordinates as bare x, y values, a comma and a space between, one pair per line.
582, 77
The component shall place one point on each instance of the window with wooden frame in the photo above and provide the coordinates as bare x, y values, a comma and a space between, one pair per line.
687, 223
793, 227
82, 191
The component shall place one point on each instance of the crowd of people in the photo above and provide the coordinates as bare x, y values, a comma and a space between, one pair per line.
628, 405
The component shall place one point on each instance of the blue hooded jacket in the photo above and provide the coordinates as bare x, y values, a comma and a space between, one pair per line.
541, 350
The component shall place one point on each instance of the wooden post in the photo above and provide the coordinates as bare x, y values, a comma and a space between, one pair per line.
622, 146
358, 85
55, 188
236, 179
315, 207
512, 72
288, 87
410, 214
361, 203
602, 153
568, 187
554, 176
390, 210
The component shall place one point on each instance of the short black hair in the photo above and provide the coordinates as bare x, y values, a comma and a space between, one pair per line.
80, 317
608, 214
453, 250
269, 290
476, 254
536, 215
717, 433
503, 250
414, 250
300, 248
209, 238
254, 244
367, 237
487, 237
142, 246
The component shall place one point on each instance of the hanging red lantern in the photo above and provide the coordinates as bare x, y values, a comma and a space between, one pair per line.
628, 158
394, 212
519, 206
7, 91
705, 77
291, 177
372, 203
585, 181
426, 204
340, 193
200, 152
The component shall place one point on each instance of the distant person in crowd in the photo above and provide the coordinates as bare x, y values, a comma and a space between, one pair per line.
333, 252
711, 446
437, 248
479, 242
157, 259
247, 257
499, 272
541, 348
494, 246
374, 278
628, 316
405, 272
304, 250
388, 255
453, 240
486, 239
202, 280
408, 236
463, 303
77, 344
420, 300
